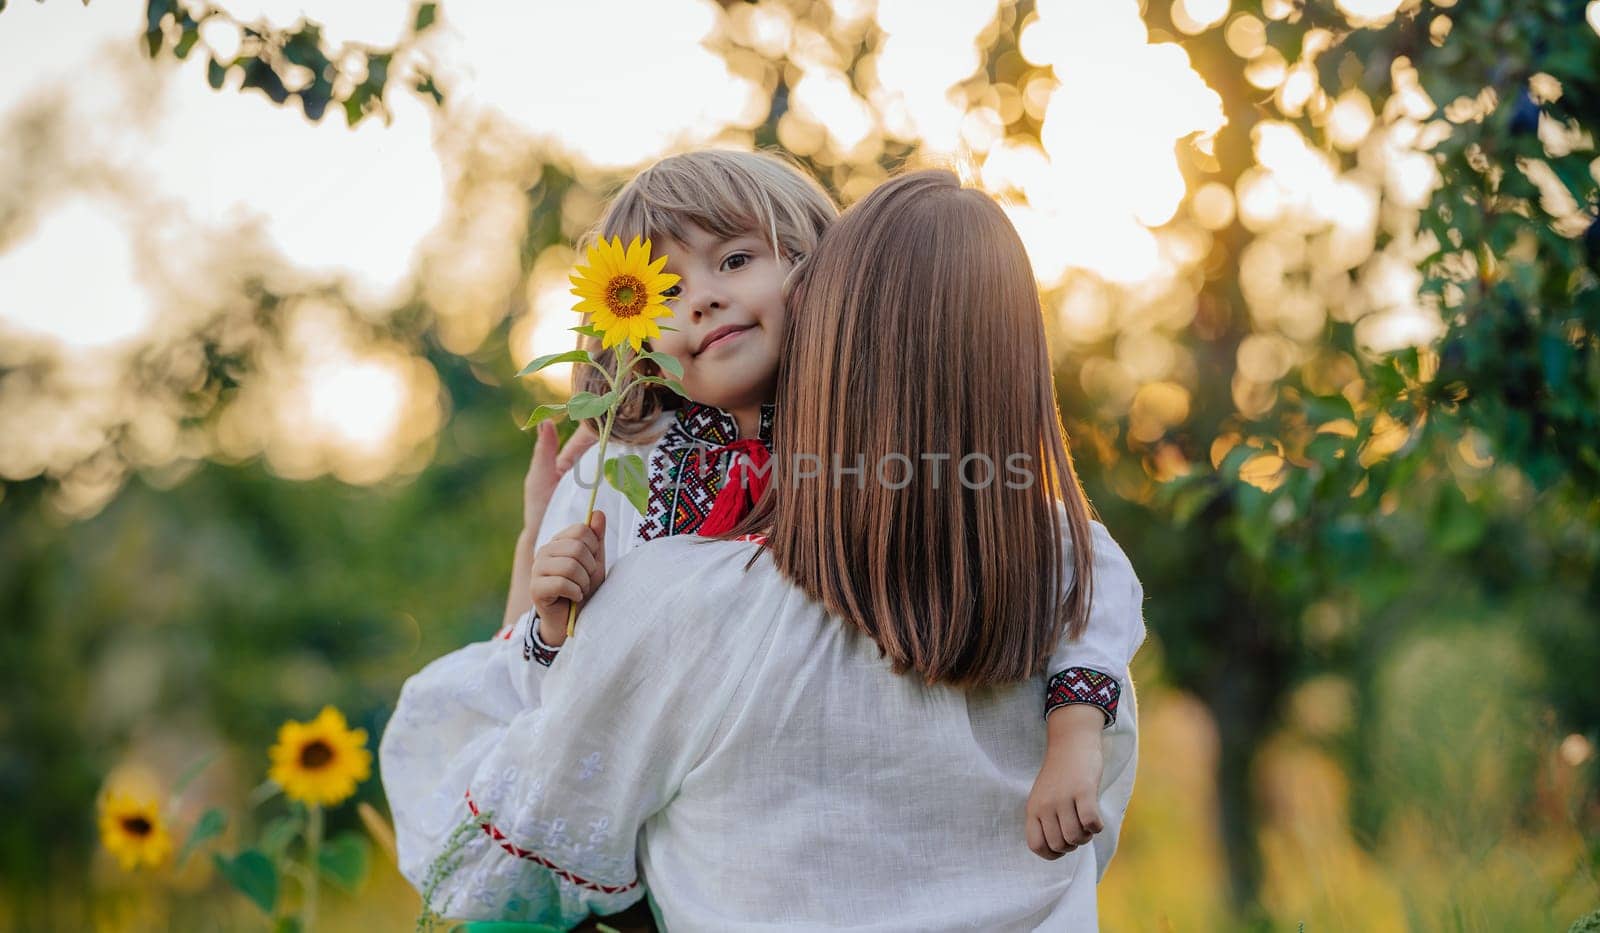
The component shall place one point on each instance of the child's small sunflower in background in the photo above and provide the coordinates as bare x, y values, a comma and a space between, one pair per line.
322, 761
133, 830
621, 291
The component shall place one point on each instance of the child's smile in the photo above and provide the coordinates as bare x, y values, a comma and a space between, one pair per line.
723, 336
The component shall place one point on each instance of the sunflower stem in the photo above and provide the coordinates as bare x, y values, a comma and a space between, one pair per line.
588, 513
308, 909
624, 364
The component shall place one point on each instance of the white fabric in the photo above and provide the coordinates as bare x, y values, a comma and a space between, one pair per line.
712, 731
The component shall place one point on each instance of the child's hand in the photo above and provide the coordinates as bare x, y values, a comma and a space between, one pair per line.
1063, 809
568, 569
545, 470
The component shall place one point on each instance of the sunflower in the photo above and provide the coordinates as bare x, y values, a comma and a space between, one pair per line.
321, 761
133, 831
621, 291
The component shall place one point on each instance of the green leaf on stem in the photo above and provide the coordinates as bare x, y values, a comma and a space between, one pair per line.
426, 13
570, 356
343, 860
588, 405
626, 475
587, 331
668, 364
672, 384
541, 413
276, 835
253, 874
209, 826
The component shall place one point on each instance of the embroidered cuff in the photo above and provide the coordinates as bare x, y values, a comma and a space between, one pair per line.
533, 647
1083, 685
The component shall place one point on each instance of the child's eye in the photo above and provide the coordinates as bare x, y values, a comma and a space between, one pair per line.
736, 261
672, 292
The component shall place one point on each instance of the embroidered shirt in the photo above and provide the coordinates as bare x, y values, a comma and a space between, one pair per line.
709, 731
684, 478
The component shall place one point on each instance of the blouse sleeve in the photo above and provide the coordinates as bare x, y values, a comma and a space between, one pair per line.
509, 809
1093, 668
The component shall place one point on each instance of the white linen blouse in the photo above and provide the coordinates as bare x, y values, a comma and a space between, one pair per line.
713, 731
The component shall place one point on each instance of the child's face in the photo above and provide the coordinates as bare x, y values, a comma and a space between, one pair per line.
729, 317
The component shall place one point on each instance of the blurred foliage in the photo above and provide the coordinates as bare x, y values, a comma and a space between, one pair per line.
1372, 697
297, 63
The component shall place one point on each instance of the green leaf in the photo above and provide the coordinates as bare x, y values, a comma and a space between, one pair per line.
588, 405
538, 363
216, 73
541, 413
253, 874
276, 835
426, 14
191, 35
289, 924
209, 826
190, 773
1325, 408
426, 85
587, 330
1229, 468
626, 475
672, 384
343, 860
668, 364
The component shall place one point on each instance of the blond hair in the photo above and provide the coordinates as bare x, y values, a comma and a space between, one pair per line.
726, 193
915, 331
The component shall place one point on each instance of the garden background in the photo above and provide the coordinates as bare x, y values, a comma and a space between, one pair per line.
1321, 283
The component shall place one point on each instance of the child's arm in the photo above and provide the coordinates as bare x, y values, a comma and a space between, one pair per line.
1090, 720
541, 488
1064, 806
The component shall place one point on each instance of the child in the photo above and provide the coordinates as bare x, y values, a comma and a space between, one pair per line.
726, 725
732, 225
738, 222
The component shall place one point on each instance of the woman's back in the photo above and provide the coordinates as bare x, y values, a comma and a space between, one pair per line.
831, 791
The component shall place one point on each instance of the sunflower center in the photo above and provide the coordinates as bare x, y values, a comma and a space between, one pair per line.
626, 296
316, 754
136, 826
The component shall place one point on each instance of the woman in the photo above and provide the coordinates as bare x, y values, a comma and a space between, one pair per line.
835, 724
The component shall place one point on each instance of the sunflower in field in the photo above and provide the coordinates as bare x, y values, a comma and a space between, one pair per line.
133, 830
621, 291
321, 761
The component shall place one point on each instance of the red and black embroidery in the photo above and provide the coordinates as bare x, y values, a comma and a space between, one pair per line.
533, 647
683, 481
1084, 685
493, 832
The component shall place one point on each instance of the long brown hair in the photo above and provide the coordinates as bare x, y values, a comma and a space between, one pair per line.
722, 191
916, 329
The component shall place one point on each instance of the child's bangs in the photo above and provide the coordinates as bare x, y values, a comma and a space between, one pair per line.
654, 214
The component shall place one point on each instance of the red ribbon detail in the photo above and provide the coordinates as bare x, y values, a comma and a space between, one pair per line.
746, 481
